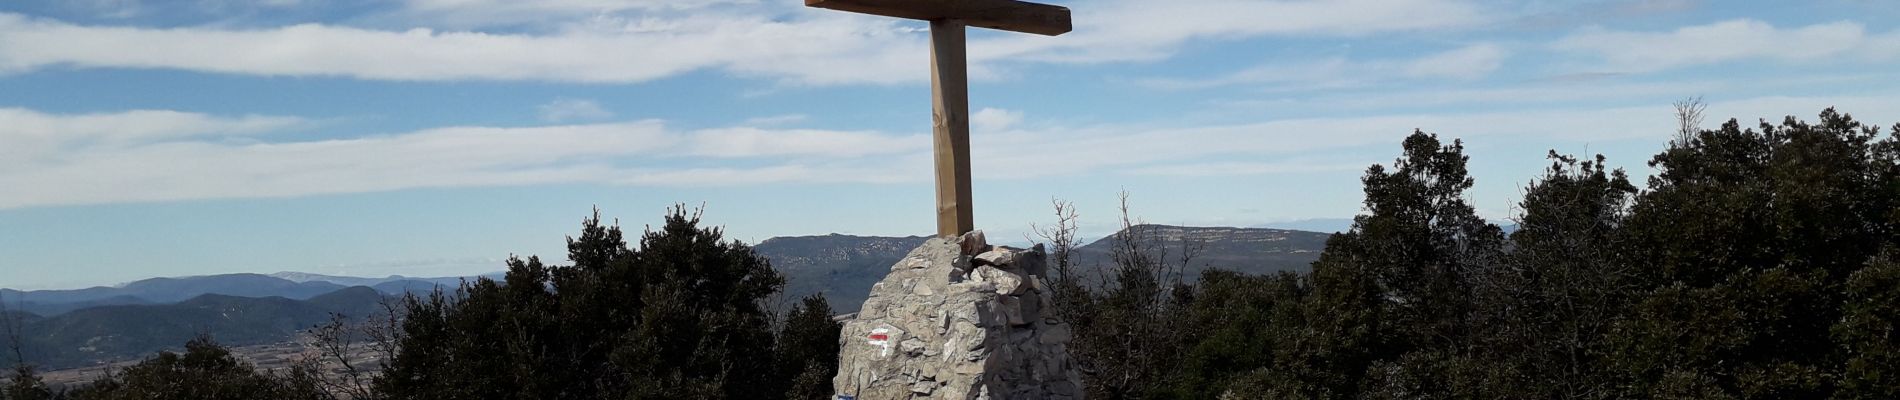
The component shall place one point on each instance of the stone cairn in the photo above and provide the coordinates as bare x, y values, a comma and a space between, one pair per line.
958, 319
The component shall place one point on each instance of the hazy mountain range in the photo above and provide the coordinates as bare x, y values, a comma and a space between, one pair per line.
103, 333
67, 328
844, 267
289, 285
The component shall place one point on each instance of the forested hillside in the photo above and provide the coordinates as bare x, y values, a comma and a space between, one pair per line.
129, 331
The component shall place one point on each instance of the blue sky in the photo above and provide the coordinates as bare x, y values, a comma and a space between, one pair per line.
145, 138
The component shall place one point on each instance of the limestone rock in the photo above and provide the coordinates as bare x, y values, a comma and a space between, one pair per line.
1006, 282
943, 327
998, 255
973, 243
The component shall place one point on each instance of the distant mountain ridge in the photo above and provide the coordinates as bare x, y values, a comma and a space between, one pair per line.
305, 277
1320, 225
163, 291
1257, 251
95, 334
172, 290
76, 327
388, 281
843, 267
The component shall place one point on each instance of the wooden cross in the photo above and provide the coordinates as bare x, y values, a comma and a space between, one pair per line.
949, 79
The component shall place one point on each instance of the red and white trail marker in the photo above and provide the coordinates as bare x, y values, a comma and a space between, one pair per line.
881, 337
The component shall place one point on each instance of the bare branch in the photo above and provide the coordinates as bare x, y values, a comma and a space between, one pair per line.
1688, 118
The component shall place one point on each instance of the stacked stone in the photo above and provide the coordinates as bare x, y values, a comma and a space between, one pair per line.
958, 319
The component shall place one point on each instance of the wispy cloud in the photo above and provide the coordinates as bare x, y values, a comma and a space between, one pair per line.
1510, 96
1572, 13
475, 14
446, 157
29, 136
637, 52
110, 8
1246, 168
1140, 30
189, 160
994, 119
198, 163
1734, 40
775, 120
609, 41
755, 142
17, 124
1469, 62
562, 110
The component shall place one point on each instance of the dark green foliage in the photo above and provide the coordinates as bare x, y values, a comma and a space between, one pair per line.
1869, 331
205, 371
808, 350
1404, 279
1549, 306
1238, 323
1758, 264
1132, 343
680, 316
1748, 236
25, 384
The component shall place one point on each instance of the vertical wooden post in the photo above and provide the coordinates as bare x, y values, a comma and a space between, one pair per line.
950, 116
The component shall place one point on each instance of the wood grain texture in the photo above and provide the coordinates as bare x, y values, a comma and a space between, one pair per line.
950, 116
1008, 15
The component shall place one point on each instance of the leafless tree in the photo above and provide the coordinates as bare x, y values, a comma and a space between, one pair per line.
24, 384
1688, 119
347, 348
1061, 239
10, 324
1127, 311
1141, 247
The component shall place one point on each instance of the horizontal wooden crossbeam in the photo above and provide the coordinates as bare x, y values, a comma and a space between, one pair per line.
1008, 15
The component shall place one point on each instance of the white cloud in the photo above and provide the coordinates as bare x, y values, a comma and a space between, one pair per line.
561, 6
1146, 30
1734, 40
606, 41
754, 142
1326, 73
1498, 97
446, 157
181, 156
1470, 62
183, 164
777, 174
801, 52
110, 8
1245, 168
129, 126
1154, 148
28, 135
994, 119
491, 13
561, 110
775, 120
